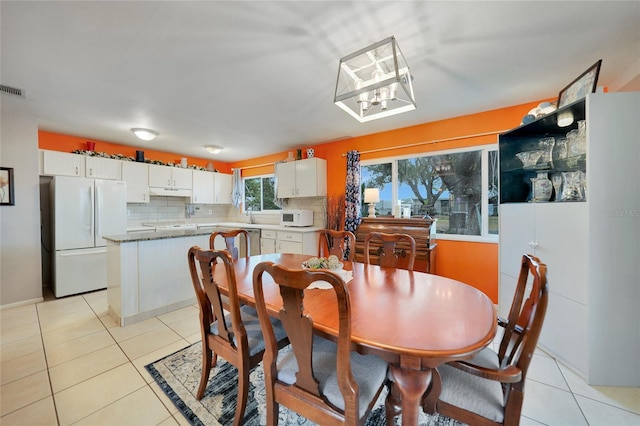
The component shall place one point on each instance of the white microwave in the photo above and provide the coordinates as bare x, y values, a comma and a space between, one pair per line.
298, 217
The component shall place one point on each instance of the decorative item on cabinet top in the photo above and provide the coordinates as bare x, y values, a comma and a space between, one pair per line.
138, 158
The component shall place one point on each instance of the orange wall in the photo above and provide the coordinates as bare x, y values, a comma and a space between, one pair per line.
67, 143
471, 262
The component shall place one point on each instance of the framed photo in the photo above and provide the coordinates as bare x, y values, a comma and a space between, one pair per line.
581, 86
6, 187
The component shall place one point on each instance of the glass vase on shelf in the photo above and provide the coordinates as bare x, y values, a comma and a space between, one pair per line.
556, 180
573, 186
546, 146
560, 149
542, 188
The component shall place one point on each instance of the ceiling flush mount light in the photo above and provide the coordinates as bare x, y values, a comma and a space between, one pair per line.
144, 134
375, 82
214, 149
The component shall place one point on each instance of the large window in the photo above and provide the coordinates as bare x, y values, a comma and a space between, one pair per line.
459, 188
259, 193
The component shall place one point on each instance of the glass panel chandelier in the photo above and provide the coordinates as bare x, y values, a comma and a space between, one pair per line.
375, 82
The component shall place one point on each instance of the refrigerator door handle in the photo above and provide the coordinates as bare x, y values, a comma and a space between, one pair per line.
93, 213
98, 207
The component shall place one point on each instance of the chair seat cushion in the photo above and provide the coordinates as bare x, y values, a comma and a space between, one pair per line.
472, 393
369, 371
251, 323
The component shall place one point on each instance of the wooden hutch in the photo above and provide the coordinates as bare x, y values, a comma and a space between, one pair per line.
422, 230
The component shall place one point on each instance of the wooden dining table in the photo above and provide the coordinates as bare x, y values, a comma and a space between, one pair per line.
414, 320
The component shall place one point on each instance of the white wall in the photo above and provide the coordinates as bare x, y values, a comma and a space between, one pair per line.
20, 267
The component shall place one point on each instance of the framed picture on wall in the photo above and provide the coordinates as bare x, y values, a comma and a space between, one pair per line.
581, 86
6, 187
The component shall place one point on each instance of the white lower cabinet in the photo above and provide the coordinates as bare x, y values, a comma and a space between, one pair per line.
268, 242
555, 234
147, 278
297, 242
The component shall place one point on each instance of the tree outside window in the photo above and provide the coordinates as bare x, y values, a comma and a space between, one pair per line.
260, 194
447, 186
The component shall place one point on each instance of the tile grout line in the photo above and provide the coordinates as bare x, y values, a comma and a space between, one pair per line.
573, 395
46, 361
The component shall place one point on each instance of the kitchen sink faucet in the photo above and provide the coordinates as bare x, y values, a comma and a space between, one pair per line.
250, 214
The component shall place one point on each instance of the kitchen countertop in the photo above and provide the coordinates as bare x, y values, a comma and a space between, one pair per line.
203, 229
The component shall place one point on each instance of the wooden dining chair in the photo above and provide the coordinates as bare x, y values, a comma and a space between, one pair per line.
238, 337
392, 250
319, 379
338, 243
489, 388
229, 237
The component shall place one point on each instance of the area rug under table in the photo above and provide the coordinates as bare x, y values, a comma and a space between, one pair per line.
178, 375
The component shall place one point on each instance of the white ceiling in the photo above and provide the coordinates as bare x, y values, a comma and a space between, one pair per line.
258, 77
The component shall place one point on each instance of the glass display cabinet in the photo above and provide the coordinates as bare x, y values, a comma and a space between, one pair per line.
542, 161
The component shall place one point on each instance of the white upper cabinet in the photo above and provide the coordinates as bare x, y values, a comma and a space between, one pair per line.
202, 187
57, 163
103, 168
137, 177
222, 188
170, 177
302, 178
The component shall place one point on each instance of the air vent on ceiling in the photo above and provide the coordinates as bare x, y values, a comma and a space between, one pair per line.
11, 91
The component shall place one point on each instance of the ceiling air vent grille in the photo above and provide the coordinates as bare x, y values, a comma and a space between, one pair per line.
11, 91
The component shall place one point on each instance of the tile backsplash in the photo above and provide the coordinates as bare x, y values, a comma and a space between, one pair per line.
174, 209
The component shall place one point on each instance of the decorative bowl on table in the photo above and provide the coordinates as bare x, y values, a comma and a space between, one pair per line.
529, 159
331, 262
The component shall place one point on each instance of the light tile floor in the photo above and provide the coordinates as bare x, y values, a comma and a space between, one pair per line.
66, 361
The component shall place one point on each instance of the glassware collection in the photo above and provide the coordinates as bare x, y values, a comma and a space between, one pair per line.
560, 157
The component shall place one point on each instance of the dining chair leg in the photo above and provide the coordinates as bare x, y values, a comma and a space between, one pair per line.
243, 393
430, 397
392, 403
206, 370
272, 415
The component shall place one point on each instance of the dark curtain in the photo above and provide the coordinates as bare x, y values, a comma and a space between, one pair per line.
352, 194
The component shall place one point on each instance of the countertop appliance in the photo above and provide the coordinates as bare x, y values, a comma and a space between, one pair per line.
296, 217
83, 210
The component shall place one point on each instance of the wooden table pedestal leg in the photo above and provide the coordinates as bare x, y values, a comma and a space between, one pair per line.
412, 385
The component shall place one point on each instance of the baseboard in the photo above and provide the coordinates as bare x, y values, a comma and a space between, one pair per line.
21, 303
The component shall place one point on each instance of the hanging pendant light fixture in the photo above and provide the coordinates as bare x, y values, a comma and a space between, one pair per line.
375, 82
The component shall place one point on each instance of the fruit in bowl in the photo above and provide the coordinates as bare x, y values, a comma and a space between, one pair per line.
331, 262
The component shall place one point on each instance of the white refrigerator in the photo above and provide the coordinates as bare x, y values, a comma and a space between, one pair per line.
83, 210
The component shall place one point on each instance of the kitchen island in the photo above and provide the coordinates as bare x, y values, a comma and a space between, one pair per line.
147, 272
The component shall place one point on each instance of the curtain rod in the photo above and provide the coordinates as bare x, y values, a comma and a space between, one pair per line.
435, 141
254, 166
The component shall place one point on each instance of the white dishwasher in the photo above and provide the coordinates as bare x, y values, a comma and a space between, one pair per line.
254, 240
